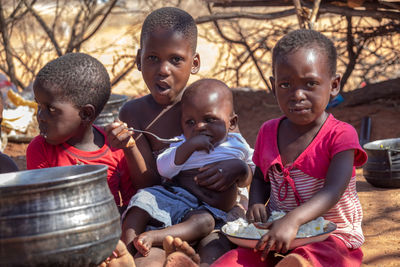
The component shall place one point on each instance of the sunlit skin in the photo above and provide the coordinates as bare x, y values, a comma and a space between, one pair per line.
165, 61
303, 86
207, 115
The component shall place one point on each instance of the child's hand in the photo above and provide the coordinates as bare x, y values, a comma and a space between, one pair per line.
257, 213
200, 142
217, 176
118, 135
281, 233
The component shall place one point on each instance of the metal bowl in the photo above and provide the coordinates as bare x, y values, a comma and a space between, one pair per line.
247, 242
62, 216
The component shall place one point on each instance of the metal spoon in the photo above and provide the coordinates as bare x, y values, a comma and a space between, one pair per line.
163, 140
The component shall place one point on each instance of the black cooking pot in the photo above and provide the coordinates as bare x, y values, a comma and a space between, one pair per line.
62, 216
110, 110
383, 166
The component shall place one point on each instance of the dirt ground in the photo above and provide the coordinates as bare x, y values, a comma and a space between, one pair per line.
381, 206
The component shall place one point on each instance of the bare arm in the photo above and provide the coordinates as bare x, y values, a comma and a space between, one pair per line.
196, 143
260, 192
139, 156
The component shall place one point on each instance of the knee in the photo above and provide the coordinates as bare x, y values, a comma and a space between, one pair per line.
205, 222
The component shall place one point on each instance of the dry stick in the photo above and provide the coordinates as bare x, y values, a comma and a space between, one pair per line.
300, 18
314, 12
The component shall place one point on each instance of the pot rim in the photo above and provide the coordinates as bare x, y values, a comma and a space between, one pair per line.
376, 145
59, 175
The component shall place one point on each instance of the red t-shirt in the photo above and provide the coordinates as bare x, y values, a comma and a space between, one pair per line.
40, 154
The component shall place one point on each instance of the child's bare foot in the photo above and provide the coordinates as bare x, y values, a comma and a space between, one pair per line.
179, 253
143, 243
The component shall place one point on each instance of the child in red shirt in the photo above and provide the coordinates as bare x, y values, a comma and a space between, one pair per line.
71, 91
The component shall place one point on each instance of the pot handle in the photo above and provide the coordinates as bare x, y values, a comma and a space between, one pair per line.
395, 150
389, 155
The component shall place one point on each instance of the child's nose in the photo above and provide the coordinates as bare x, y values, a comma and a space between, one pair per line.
164, 69
200, 126
298, 93
40, 115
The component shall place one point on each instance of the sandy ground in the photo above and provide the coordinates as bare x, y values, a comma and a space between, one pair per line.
381, 206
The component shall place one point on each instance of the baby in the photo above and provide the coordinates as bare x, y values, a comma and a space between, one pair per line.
183, 206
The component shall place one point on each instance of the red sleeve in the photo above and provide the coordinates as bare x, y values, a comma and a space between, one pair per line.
258, 148
346, 138
36, 154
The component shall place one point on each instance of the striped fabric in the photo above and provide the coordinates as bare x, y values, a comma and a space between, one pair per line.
291, 187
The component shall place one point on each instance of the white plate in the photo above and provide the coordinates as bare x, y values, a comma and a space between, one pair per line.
251, 242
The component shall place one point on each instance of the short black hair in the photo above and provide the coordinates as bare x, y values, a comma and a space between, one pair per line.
81, 78
305, 38
171, 18
212, 85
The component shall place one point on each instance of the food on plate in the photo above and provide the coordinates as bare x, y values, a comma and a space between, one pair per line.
241, 228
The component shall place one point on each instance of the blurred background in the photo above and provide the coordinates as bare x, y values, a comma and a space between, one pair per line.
236, 37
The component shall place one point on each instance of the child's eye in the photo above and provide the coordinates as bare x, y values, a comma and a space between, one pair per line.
312, 84
176, 60
284, 85
152, 58
190, 122
52, 109
210, 120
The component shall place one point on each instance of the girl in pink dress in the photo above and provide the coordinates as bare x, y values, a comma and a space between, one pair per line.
305, 163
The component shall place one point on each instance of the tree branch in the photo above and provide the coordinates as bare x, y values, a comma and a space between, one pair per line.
314, 13
43, 24
245, 15
299, 14
7, 46
105, 16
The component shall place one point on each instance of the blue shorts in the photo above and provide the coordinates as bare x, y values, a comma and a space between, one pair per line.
169, 206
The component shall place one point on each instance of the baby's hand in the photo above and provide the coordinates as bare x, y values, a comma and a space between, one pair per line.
257, 213
201, 142
119, 136
281, 233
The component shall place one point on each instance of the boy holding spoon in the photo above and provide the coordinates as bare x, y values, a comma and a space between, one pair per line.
166, 58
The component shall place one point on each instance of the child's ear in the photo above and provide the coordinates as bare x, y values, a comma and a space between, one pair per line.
87, 113
195, 64
335, 85
139, 59
233, 122
272, 81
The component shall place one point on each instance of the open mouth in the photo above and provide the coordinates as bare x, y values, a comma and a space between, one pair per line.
44, 135
162, 87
